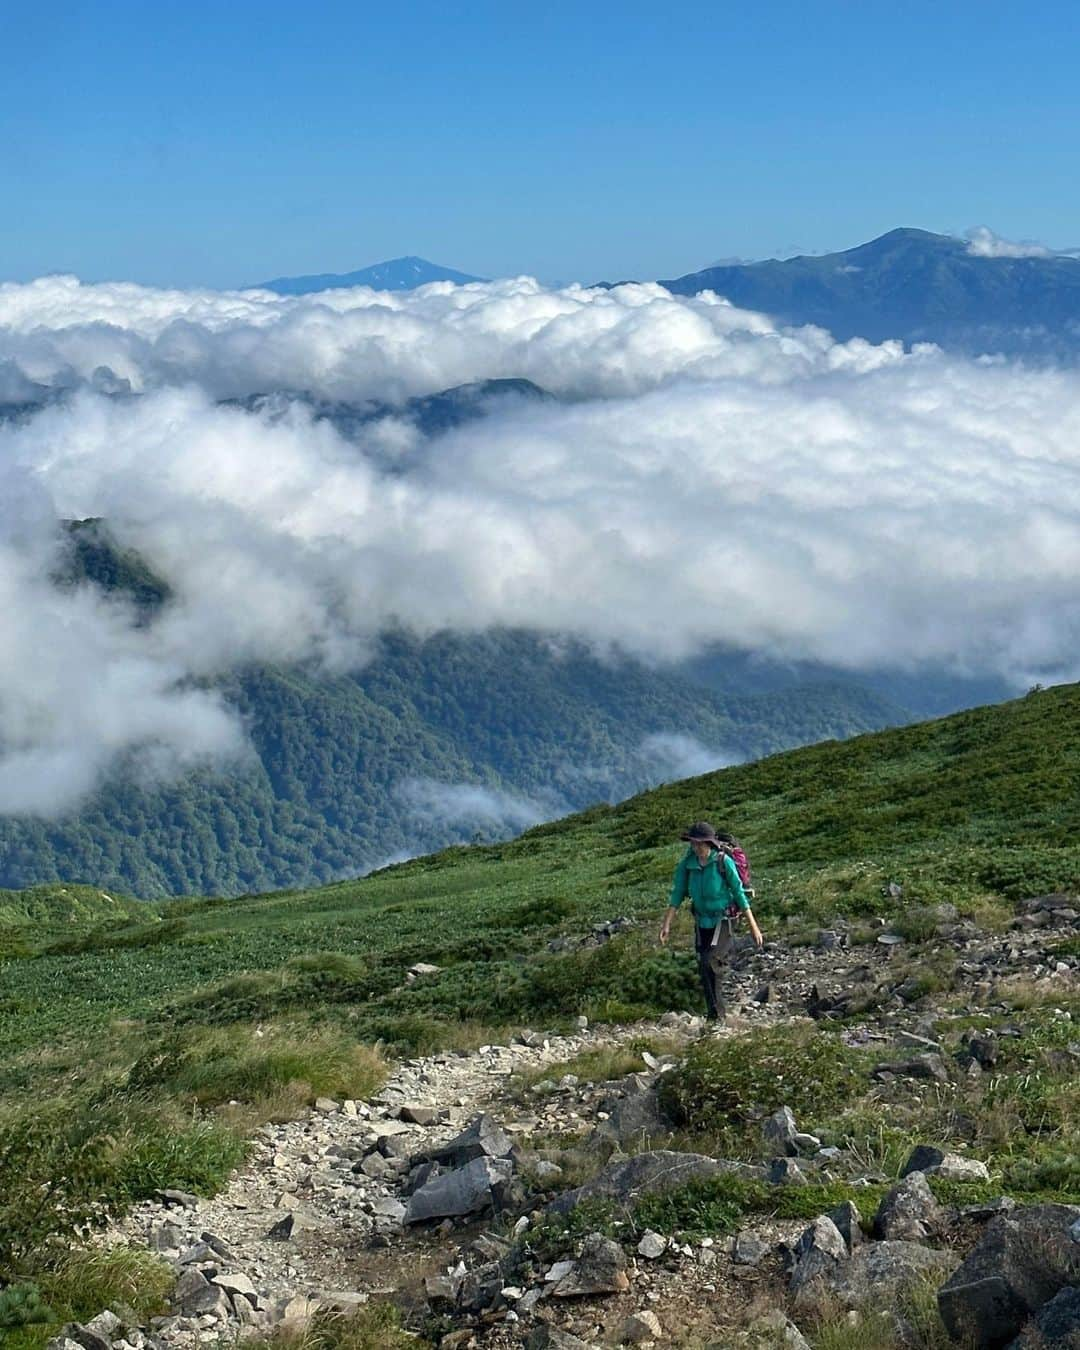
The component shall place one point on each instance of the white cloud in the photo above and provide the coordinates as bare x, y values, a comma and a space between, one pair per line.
984, 243
667, 756
468, 806
706, 476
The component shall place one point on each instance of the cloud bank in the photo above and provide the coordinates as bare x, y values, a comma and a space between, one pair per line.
704, 476
984, 243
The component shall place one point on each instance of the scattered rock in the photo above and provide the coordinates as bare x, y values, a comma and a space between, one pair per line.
600, 1269
652, 1245
1058, 1322
817, 1253
949, 1166
646, 1174
639, 1327
786, 1172
1021, 1261
774, 1331
484, 1138
469, 1190
909, 1212
848, 1221
779, 1131
750, 1248
421, 1115
928, 1066
879, 1273
636, 1117
547, 1337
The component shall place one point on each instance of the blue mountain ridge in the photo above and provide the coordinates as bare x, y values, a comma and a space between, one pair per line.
399, 274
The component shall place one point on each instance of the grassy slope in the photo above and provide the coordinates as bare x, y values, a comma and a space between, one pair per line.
980, 803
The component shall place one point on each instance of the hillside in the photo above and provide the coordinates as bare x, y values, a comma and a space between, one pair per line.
434, 741
146, 1048
916, 286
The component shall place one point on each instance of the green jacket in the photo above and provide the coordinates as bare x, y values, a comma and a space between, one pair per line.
711, 888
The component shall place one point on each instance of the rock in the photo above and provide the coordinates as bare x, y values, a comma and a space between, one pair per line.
105, 1324
909, 1212
909, 1040
639, 1327
775, 1331
600, 1269
389, 1208
1058, 1322
828, 938
420, 1115
652, 1245
879, 1273
85, 1337
928, 1066
807, 1143
990, 1210
484, 1138
546, 1337
750, 1248
818, 1252
779, 1131
481, 1287
890, 939
179, 1199
211, 1300
1021, 1261
441, 1291
237, 1284
219, 1246
546, 1171
326, 1105
374, 1166
422, 968
470, 1189
848, 1221
636, 1118
647, 1174
166, 1237
949, 1166
296, 1221
786, 1172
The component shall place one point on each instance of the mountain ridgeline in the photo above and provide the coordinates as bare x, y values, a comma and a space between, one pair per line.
399, 274
440, 740
915, 286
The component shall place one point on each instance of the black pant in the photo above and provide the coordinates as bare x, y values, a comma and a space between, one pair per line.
712, 959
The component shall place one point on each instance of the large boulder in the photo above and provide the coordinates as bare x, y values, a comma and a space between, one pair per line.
1020, 1263
645, 1174
477, 1186
936, 1162
818, 1252
880, 1273
484, 1138
909, 1212
635, 1117
1057, 1323
778, 1132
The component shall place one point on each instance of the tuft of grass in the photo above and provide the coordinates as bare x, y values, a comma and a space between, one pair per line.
604, 1064
376, 1326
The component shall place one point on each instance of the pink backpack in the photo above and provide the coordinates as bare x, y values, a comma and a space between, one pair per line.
741, 861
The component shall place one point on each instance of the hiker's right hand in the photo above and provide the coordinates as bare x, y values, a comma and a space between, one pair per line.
665, 933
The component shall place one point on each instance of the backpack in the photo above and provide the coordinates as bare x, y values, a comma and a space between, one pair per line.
734, 850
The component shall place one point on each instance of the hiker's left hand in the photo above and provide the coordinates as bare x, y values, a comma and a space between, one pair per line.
759, 939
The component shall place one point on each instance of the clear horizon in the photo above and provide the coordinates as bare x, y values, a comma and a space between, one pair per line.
216, 149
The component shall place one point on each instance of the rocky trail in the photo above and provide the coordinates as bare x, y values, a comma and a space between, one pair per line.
424, 1194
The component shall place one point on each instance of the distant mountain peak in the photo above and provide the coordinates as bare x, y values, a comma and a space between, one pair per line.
398, 274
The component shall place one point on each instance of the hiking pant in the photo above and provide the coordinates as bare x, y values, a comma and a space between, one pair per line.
712, 962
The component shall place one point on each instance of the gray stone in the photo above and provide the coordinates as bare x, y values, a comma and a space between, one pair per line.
389, 1208
848, 1221
935, 1162
818, 1252
775, 1331
909, 1212
880, 1273
421, 1115
635, 1118
640, 1327
600, 1269
1021, 1261
928, 1066
750, 1248
296, 1221
374, 1166
484, 1138
85, 1336
219, 1247
237, 1283
105, 1324
647, 1174
468, 1190
786, 1172
210, 1301
1058, 1322
652, 1245
166, 1237
779, 1131
326, 1105
481, 1287
546, 1337
180, 1199
441, 1291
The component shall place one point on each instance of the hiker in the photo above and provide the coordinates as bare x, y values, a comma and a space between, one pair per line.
708, 874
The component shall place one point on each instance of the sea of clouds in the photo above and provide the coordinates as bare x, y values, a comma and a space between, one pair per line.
702, 475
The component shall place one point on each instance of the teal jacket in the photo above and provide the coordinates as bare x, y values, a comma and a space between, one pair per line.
712, 888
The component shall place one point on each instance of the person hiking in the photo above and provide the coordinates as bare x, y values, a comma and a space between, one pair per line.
707, 873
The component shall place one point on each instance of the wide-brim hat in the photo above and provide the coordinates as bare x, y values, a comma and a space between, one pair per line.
701, 832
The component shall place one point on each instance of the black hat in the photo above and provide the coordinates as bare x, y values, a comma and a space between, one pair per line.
701, 832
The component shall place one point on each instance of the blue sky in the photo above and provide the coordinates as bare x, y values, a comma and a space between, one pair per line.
221, 145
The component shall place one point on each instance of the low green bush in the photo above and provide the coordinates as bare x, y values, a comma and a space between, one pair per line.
741, 1079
